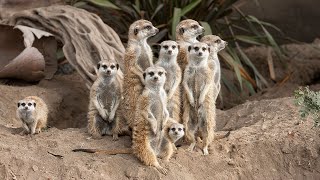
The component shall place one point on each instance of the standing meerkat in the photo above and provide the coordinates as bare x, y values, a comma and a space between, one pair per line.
216, 44
168, 60
187, 32
105, 97
138, 57
199, 105
33, 112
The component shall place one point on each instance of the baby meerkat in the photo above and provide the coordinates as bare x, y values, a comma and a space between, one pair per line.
138, 57
151, 117
33, 112
105, 97
168, 60
216, 44
199, 105
187, 32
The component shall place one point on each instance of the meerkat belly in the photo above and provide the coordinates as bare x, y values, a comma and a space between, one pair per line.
110, 98
143, 60
27, 117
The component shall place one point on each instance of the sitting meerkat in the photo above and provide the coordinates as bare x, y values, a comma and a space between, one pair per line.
199, 104
138, 57
33, 112
216, 44
168, 60
187, 32
105, 97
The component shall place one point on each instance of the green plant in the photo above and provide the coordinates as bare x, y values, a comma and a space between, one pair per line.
309, 103
221, 17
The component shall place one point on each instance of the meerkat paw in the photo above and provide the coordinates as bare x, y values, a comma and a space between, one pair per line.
115, 137
38, 131
162, 170
205, 151
191, 147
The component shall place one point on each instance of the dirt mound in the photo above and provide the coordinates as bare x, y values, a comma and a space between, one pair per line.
267, 141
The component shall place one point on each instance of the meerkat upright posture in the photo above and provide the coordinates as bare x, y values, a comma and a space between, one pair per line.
138, 57
105, 96
33, 112
168, 60
216, 44
198, 102
187, 32
151, 117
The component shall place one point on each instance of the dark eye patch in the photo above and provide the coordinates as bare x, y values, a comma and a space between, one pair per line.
165, 47
160, 73
104, 66
204, 49
173, 129
173, 47
217, 41
148, 27
195, 26
112, 66
29, 104
151, 73
23, 104
179, 129
196, 48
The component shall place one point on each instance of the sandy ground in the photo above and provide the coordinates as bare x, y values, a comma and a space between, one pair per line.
267, 141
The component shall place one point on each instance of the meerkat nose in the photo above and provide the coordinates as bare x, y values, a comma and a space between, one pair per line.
203, 30
157, 30
226, 43
169, 52
156, 78
200, 53
26, 107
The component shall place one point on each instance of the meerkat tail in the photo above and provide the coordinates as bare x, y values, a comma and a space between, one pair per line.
105, 151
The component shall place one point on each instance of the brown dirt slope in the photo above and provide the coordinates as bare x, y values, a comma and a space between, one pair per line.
267, 141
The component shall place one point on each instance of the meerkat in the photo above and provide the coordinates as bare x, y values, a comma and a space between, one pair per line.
105, 97
33, 112
138, 57
168, 60
187, 32
199, 106
216, 44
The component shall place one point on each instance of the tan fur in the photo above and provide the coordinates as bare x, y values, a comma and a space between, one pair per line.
36, 120
137, 58
105, 97
173, 80
199, 105
216, 44
186, 35
151, 116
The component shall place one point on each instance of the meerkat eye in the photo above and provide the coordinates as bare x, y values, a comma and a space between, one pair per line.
148, 27
160, 73
173, 129
195, 26
217, 41
165, 47
29, 104
104, 66
179, 129
112, 66
196, 48
173, 47
23, 104
204, 49
151, 73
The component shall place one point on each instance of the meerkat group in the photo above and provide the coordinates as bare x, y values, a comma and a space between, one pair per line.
160, 103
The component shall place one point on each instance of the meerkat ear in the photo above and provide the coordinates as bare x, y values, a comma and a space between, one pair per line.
189, 48
181, 31
98, 65
34, 104
144, 75
184, 129
18, 104
209, 49
135, 31
117, 66
178, 46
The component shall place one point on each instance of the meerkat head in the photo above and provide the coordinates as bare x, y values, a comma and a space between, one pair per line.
169, 49
142, 29
188, 30
198, 52
215, 42
154, 76
107, 68
26, 105
176, 131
